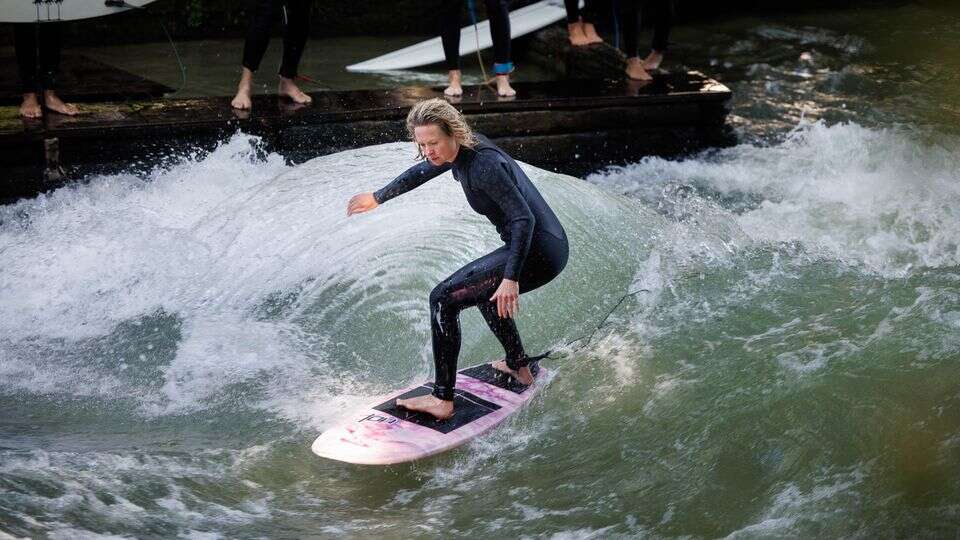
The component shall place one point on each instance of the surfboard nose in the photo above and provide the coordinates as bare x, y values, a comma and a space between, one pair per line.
379, 442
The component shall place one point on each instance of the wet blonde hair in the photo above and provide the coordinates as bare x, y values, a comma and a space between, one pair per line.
438, 112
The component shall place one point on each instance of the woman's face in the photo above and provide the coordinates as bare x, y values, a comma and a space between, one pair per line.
437, 146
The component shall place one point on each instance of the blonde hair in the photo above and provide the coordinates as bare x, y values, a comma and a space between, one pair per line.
438, 112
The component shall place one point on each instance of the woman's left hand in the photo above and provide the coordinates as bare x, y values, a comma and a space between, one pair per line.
507, 298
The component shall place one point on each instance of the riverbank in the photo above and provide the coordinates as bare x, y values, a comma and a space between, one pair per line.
586, 125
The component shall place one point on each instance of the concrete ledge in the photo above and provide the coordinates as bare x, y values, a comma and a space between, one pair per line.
601, 122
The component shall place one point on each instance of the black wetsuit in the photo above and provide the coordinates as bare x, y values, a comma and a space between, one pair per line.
534, 252
499, 17
662, 12
575, 14
296, 27
34, 77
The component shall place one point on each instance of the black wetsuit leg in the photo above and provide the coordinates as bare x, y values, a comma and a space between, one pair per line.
630, 15
25, 44
296, 28
591, 10
450, 32
662, 12
630, 22
262, 15
499, 16
573, 10
588, 14
473, 285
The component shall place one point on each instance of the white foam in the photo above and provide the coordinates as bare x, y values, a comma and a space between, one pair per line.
581, 534
253, 280
83, 478
74, 533
873, 198
794, 506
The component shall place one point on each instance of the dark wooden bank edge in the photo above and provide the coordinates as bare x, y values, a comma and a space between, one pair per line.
572, 126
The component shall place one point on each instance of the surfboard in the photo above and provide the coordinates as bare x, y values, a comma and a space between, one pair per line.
383, 434
28, 11
522, 21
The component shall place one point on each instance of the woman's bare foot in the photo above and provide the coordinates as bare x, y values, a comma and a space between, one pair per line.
523, 375
30, 107
430, 404
242, 100
53, 102
503, 86
576, 35
590, 32
653, 60
635, 70
453, 89
290, 89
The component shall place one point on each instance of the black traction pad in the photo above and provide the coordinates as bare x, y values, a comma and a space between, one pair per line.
491, 376
467, 408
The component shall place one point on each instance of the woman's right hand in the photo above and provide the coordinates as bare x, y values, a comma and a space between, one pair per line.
360, 203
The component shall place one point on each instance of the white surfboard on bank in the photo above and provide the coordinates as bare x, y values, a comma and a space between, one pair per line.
30, 11
522, 21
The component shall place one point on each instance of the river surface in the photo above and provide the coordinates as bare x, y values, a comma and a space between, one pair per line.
784, 362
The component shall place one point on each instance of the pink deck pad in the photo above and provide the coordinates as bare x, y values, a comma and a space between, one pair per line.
373, 437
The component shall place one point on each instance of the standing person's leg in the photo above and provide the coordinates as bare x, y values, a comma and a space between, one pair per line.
25, 45
574, 24
500, 33
262, 14
296, 29
573, 10
450, 37
469, 286
630, 21
662, 12
50, 68
589, 20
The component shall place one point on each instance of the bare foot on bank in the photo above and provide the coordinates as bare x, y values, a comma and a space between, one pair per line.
590, 31
30, 107
242, 100
430, 404
635, 70
653, 60
576, 35
453, 89
289, 89
503, 86
523, 375
53, 102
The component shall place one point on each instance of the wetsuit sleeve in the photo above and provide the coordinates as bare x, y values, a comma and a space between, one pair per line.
411, 178
518, 219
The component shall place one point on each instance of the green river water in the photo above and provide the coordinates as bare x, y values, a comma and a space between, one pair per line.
785, 364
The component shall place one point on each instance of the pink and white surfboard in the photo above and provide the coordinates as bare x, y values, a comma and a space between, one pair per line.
383, 434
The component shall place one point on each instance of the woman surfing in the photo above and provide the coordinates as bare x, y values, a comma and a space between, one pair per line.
535, 246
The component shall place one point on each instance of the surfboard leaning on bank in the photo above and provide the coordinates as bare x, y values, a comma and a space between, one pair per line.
522, 21
29, 11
